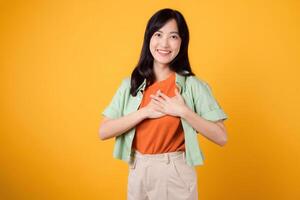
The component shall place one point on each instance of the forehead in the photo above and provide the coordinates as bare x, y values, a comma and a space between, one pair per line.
170, 26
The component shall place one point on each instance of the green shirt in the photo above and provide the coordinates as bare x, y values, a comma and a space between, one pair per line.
197, 95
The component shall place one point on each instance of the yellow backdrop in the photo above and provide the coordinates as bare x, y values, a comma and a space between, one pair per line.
61, 62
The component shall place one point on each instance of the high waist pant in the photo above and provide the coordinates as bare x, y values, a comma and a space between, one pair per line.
164, 176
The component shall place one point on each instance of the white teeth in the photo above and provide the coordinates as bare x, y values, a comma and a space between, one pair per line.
162, 51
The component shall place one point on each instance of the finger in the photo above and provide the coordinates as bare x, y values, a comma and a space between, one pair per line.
177, 92
157, 93
157, 105
164, 96
156, 102
157, 98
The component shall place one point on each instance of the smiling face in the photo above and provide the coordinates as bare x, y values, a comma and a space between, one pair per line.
165, 44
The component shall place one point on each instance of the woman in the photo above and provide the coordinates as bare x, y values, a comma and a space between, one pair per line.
157, 111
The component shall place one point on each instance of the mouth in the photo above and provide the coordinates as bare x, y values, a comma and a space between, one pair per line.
163, 52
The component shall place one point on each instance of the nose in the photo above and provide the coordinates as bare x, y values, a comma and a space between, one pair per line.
164, 42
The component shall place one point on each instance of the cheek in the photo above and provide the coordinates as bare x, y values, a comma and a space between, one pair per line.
153, 40
176, 46
175, 43
152, 45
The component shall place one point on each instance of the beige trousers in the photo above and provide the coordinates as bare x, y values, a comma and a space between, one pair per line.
164, 176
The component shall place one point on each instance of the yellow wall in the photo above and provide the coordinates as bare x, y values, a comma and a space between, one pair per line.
61, 62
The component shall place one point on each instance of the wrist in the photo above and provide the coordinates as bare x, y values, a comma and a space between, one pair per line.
185, 111
143, 113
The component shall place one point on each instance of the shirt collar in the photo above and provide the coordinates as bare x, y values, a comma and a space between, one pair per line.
179, 80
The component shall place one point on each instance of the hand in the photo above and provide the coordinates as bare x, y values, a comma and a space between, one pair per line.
152, 110
174, 106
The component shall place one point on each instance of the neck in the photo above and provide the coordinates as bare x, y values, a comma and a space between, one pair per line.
161, 71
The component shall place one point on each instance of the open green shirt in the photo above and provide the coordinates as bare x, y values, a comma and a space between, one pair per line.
197, 95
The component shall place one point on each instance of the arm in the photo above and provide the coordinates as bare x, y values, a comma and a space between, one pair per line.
214, 131
113, 127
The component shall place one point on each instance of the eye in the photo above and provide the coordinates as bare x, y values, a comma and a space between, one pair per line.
157, 34
174, 36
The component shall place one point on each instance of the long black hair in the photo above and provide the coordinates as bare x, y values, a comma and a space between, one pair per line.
180, 64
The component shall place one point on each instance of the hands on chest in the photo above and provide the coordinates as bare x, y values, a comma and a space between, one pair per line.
161, 105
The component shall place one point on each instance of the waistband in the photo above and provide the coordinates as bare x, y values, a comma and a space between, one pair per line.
160, 157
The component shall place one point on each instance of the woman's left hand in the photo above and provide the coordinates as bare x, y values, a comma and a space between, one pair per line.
174, 106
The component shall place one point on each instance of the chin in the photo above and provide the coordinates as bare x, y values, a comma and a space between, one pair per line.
163, 61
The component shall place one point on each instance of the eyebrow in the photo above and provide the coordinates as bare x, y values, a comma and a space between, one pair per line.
170, 32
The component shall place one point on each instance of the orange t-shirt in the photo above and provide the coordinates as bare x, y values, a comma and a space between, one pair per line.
163, 134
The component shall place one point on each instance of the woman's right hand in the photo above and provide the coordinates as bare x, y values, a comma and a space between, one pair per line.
152, 110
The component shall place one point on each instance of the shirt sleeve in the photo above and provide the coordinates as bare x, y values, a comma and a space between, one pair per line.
114, 109
207, 106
